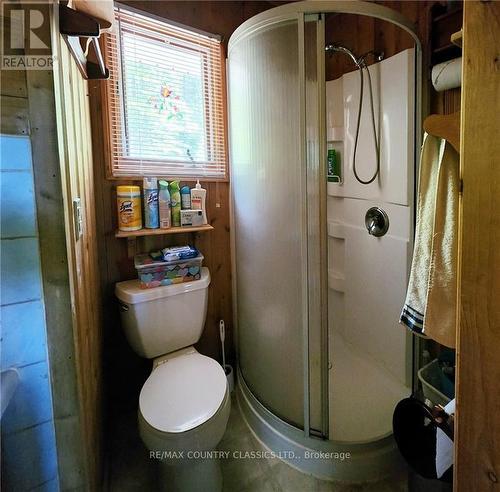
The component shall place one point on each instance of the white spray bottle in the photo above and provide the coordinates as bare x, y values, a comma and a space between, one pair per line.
198, 200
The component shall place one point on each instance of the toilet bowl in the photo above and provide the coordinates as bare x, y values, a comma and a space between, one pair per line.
184, 404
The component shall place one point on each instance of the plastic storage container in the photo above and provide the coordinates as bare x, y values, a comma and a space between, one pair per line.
156, 273
432, 378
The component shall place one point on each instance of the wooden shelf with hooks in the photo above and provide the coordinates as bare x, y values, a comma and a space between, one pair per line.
75, 26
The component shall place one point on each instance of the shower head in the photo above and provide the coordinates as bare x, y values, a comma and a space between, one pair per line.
338, 48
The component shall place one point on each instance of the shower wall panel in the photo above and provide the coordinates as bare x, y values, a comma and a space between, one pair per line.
393, 90
368, 275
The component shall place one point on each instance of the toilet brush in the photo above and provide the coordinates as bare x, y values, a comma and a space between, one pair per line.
222, 331
227, 368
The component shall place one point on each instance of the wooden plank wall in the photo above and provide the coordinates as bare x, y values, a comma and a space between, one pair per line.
76, 161
477, 438
362, 34
34, 114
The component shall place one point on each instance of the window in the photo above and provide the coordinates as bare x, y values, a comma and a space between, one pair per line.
165, 99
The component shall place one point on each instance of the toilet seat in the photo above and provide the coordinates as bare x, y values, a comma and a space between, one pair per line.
182, 393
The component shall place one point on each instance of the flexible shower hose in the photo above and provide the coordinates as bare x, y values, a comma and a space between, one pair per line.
362, 66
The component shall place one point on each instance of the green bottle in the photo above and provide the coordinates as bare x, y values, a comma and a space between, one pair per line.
175, 199
333, 166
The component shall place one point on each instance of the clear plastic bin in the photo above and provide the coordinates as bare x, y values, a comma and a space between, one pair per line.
156, 273
431, 378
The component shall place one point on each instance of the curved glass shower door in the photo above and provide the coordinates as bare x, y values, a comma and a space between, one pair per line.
317, 296
268, 184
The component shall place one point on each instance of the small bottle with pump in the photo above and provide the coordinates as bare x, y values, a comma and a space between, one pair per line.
164, 205
150, 189
198, 200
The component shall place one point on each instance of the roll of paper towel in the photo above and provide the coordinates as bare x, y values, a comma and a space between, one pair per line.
447, 75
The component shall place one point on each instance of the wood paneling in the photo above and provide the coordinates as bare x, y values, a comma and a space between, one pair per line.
13, 83
30, 108
55, 278
445, 102
477, 435
14, 119
14, 116
75, 153
362, 34
365, 34
216, 17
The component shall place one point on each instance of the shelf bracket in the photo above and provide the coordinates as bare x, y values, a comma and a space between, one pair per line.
74, 25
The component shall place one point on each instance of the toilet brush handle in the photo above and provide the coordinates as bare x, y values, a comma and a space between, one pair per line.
222, 332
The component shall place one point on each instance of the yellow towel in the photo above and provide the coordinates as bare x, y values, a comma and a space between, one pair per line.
431, 299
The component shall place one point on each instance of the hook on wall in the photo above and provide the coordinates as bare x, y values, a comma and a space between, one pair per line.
74, 25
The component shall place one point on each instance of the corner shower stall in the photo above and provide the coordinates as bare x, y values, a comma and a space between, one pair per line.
322, 359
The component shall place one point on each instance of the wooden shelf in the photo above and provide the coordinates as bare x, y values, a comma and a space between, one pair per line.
162, 232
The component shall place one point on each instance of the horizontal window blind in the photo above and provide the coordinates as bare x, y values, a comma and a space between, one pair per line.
165, 100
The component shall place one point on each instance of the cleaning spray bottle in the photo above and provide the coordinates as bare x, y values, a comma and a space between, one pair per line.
175, 199
164, 205
150, 188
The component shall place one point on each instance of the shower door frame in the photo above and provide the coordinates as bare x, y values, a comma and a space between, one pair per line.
278, 435
312, 114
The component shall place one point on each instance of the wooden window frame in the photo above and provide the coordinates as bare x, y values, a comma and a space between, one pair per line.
105, 96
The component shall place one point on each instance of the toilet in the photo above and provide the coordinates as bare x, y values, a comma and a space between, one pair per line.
185, 402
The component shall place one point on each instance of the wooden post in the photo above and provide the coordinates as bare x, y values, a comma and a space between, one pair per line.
477, 441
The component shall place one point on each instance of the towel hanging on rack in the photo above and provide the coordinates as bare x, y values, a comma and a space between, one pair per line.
431, 300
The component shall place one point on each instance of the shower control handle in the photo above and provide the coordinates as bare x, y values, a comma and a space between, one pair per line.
376, 222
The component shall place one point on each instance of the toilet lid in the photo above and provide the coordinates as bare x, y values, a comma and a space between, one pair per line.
182, 393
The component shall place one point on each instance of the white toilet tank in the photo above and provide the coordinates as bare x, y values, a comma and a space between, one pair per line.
163, 319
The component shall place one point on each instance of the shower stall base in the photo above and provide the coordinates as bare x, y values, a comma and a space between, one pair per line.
358, 412
324, 459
